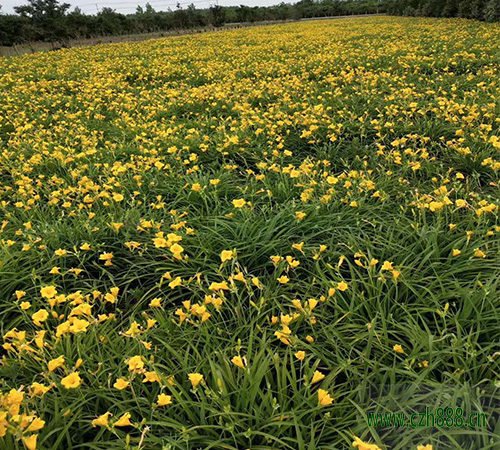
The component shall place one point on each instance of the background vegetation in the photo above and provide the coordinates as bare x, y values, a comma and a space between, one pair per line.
48, 20
488, 10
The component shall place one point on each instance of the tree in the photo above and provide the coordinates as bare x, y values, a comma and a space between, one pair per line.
194, 17
110, 22
180, 19
464, 9
492, 11
47, 16
244, 14
42, 10
79, 25
217, 15
450, 8
477, 9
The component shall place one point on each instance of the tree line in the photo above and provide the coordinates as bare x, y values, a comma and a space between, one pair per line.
52, 21
488, 10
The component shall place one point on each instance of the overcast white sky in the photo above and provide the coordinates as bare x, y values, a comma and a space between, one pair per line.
128, 6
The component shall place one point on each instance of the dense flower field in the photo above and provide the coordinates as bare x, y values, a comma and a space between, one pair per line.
250, 239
